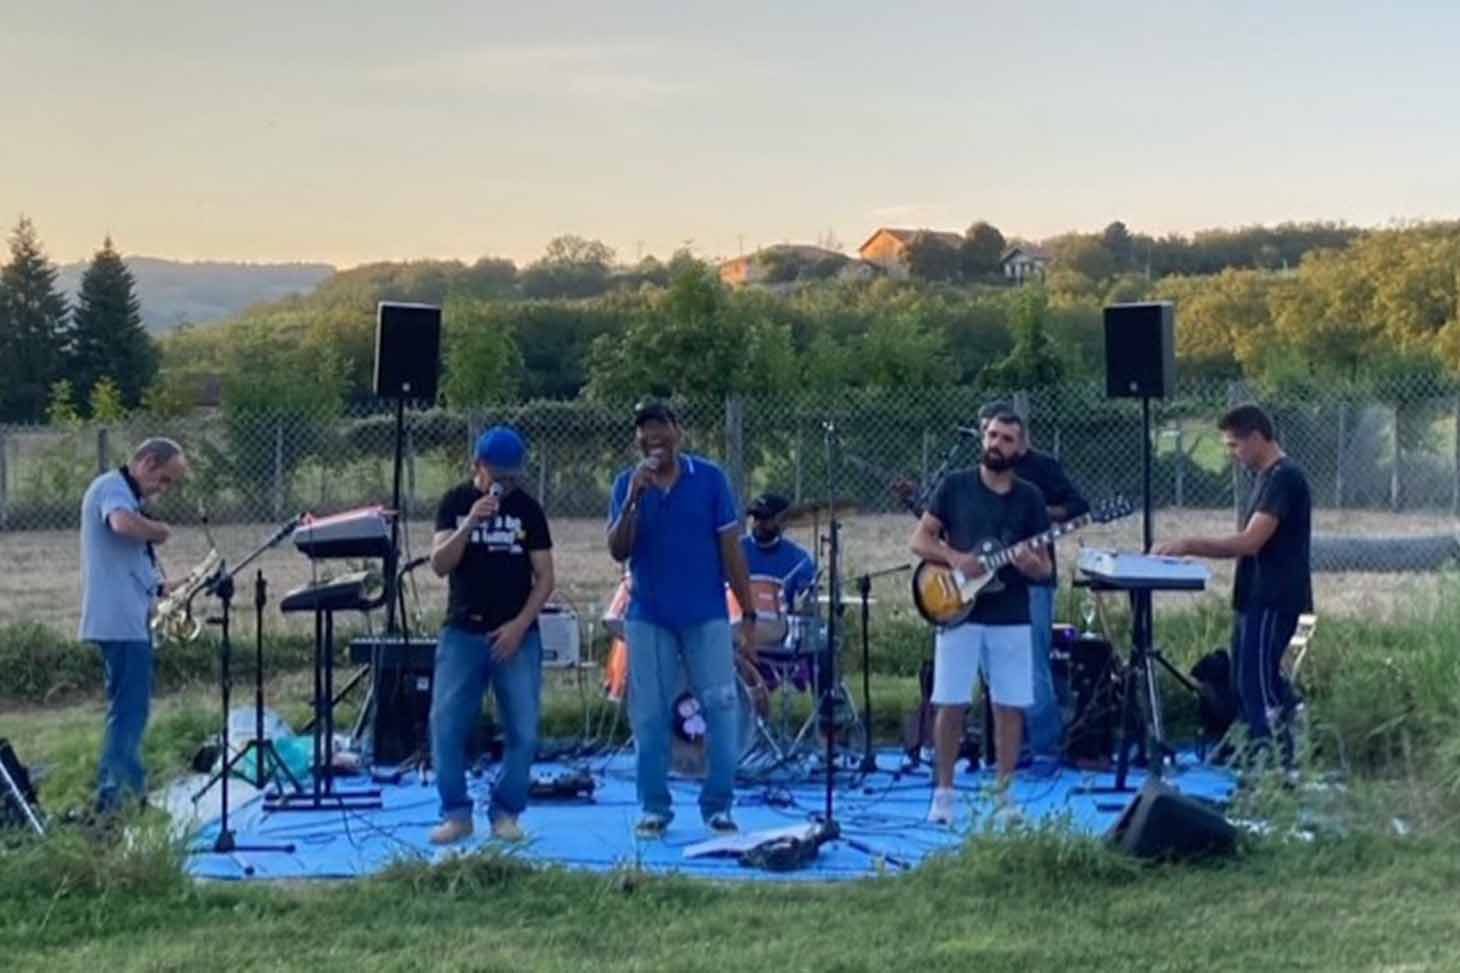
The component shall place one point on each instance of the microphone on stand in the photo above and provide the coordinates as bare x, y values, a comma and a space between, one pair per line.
968, 431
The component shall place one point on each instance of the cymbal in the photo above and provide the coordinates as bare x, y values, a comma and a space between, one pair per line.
807, 511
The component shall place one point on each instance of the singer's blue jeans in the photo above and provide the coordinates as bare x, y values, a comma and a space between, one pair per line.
464, 668
660, 661
120, 777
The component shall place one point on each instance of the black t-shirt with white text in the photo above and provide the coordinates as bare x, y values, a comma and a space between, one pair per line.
971, 514
1279, 576
493, 580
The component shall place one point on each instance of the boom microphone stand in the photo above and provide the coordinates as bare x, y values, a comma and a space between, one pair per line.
266, 751
222, 586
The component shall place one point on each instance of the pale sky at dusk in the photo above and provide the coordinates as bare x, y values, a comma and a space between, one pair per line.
364, 130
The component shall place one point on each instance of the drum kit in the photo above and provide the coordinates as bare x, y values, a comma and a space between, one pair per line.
778, 714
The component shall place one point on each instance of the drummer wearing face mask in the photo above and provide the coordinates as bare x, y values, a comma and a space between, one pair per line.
673, 519
770, 555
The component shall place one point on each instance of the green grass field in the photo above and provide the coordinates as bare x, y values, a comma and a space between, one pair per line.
1371, 887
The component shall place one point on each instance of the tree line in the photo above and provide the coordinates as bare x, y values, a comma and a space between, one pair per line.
1300, 305
60, 359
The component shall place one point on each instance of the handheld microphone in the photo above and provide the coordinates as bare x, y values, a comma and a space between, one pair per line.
968, 431
495, 490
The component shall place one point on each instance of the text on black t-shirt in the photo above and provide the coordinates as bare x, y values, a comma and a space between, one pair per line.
493, 580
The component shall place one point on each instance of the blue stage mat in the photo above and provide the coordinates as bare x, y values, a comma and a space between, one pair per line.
881, 816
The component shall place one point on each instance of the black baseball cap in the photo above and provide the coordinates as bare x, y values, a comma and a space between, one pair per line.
653, 410
768, 505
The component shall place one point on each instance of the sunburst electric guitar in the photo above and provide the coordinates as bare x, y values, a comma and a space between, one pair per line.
946, 597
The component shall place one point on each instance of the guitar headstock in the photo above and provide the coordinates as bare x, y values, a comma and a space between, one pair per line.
1111, 510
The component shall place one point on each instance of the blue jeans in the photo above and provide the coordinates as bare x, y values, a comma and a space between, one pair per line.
464, 668
1043, 723
657, 655
120, 776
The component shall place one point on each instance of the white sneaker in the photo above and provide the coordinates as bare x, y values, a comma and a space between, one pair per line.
1008, 815
941, 811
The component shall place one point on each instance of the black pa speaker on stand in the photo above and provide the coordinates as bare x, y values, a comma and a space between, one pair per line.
1162, 823
1140, 350
407, 350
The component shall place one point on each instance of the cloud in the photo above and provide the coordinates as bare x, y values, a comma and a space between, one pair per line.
612, 71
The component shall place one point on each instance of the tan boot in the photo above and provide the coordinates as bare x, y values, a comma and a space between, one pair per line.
451, 831
506, 828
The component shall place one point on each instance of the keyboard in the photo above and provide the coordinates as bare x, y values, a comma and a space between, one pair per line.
348, 592
355, 533
1120, 570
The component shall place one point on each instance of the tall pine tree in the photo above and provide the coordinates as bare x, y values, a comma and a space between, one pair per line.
33, 334
107, 336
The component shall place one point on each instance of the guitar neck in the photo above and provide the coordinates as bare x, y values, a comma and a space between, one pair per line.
1005, 555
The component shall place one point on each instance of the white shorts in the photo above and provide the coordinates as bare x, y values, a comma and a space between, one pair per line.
1004, 653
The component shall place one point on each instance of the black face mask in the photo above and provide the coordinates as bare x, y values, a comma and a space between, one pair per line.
765, 536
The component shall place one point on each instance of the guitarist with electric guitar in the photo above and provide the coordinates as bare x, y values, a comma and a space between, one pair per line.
970, 509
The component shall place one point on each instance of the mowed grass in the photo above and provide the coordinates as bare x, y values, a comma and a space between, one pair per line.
1040, 901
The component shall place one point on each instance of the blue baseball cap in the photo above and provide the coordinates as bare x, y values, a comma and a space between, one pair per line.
501, 450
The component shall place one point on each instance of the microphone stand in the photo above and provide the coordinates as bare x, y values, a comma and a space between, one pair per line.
864, 590
221, 586
830, 830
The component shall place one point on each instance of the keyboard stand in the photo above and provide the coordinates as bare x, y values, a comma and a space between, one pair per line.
1139, 686
322, 795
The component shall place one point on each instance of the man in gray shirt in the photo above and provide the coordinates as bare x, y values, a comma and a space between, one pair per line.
120, 577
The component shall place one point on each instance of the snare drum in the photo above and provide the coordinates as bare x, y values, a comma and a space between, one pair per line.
771, 625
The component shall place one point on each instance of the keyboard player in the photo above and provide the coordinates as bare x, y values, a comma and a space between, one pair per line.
1274, 583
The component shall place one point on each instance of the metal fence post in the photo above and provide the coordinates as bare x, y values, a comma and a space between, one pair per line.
1394, 469
1180, 470
278, 470
1454, 476
103, 450
799, 452
410, 474
1342, 448
735, 445
4, 481
542, 476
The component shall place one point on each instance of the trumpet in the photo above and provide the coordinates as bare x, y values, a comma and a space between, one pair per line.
174, 621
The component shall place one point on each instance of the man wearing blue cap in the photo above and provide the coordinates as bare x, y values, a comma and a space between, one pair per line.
673, 520
492, 541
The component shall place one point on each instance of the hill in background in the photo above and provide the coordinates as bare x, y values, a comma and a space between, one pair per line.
173, 292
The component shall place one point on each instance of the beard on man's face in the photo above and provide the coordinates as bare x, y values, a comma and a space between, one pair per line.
996, 461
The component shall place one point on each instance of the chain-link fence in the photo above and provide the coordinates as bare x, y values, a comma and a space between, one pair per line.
1385, 474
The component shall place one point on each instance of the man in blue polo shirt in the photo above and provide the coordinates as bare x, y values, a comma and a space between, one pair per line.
673, 519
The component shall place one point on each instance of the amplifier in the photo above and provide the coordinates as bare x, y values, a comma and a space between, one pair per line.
560, 641
393, 652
